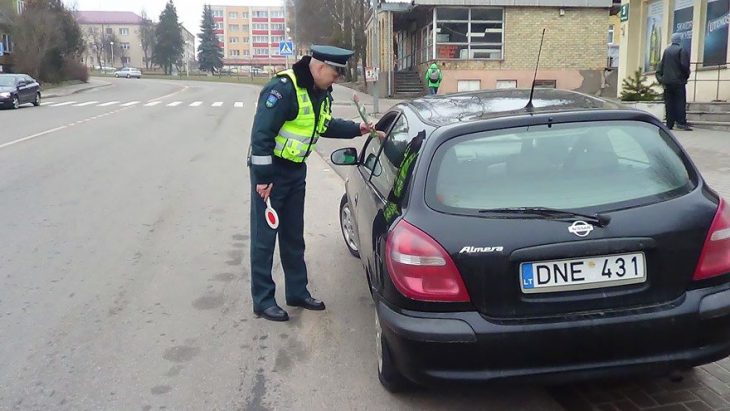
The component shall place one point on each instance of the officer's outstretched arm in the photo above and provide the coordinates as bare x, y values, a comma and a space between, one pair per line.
341, 128
277, 104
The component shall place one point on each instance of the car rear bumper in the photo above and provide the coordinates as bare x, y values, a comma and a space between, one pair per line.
465, 346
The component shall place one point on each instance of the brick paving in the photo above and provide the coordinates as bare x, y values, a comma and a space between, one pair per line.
705, 388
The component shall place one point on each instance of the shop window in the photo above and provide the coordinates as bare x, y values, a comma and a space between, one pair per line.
469, 33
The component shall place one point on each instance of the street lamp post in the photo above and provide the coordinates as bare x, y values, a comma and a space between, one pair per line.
187, 59
111, 46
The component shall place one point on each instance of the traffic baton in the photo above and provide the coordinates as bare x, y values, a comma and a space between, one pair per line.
272, 219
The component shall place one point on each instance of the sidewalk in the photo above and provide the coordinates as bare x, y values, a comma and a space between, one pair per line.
64, 91
343, 98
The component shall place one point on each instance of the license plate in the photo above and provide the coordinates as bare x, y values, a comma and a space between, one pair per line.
582, 273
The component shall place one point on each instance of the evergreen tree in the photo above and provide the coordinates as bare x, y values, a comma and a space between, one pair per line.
210, 54
634, 89
169, 47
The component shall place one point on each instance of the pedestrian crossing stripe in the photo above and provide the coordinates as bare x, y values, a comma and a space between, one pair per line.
196, 103
111, 103
238, 104
174, 104
88, 103
152, 103
217, 104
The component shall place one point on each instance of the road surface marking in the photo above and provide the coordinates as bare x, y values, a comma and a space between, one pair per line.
174, 104
238, 104
65, 103
88, 103
152, 103
20, 140
131, 103
111, 103
217, 104
196, 104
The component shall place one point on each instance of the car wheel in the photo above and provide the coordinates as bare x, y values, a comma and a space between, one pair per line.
389, 376
347, 226
37, 101
116, 76
127, 75
16, 103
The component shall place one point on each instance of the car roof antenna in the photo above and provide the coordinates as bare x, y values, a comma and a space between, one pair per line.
529, 107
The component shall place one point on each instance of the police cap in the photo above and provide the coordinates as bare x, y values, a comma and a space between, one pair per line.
334, 56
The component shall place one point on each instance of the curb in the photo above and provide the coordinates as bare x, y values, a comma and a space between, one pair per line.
53, 94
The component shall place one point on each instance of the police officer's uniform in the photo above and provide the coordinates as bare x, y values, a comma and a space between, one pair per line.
291, 115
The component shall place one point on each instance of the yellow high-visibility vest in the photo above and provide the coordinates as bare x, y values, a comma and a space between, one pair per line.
297, 138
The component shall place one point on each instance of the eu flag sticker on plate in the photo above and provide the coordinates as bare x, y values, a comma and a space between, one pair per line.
527, 276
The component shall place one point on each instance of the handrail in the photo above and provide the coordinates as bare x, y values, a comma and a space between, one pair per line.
696, 67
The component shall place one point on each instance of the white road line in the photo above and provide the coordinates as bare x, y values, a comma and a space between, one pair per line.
217, 104
32, 137
131, 103
238, 104
174, 104
88, 103
111, 103
152, 103
65, 103
196, 104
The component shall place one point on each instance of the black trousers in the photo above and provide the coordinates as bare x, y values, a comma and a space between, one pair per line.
675, 104
287, 198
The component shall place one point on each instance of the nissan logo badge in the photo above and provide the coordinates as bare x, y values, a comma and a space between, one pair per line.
580, 228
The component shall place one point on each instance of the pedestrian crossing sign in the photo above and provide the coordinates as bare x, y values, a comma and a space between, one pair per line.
286, 48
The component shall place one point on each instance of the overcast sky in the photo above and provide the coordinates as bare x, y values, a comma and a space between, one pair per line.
188, 11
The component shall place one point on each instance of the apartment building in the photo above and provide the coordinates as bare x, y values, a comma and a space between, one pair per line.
250, 35
98, 28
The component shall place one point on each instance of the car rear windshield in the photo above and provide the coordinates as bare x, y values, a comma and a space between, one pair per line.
604, 165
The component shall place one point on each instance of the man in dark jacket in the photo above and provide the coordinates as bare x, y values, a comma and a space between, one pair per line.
672, 73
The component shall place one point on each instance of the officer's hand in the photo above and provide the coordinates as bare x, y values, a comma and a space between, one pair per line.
264, 190
366, 128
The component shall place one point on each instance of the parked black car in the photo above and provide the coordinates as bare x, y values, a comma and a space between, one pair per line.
19, 89
572, 239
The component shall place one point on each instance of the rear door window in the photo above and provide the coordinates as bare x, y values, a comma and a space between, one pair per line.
604, 165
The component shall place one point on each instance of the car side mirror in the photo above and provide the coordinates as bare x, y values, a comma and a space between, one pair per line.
344, 157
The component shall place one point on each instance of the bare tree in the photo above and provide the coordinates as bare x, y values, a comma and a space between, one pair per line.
148, 39
96, 44
36, 33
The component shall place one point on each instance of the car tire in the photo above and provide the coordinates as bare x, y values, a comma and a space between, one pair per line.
127, 75
390, 378
37, 101
116, 76
16, 103
347, 227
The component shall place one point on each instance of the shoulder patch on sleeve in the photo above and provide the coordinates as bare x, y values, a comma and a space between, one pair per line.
273, 98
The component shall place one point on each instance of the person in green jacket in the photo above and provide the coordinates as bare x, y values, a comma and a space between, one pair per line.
433, 78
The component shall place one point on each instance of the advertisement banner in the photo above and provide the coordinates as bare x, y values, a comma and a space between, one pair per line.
716, 32
653, 40
683, 22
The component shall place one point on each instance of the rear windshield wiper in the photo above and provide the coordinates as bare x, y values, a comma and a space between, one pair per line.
600, 220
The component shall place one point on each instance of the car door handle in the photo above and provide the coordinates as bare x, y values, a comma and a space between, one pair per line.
355, 199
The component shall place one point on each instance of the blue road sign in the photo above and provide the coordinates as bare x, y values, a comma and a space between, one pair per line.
286, 48
2, 48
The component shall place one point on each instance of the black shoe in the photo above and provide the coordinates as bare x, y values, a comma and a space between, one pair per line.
273, 313
308, 303
684, 127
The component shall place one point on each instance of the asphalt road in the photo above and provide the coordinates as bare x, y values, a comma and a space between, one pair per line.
124, 273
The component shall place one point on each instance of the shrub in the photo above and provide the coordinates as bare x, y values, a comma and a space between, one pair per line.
74, 70
634, 89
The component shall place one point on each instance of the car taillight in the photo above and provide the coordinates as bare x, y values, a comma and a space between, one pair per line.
715, 257
420, 268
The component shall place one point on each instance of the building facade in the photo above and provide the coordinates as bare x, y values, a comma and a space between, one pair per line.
112, 38
250, 35
647, 27
492, 44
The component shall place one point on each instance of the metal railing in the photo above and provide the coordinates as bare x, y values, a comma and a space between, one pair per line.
699, 66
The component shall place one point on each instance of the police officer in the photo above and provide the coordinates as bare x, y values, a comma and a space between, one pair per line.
294, 110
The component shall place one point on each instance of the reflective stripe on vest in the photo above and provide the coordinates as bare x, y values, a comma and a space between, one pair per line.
297, 138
